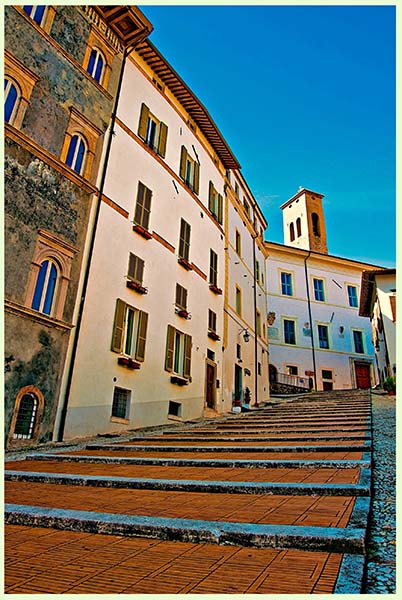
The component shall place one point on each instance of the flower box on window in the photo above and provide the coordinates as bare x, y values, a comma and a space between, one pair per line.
184, 263
213, 335
184, 314
137, 287
128, 362
179, 380
142, 231
214, 288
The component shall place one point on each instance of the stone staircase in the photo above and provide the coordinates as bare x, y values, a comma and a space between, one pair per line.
289, 483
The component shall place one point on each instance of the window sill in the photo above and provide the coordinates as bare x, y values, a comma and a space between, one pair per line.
184, 263
215, 289
30, 313
128, 362
175, 418
120, 420
143, 232
137, 287
179, 380
213, 335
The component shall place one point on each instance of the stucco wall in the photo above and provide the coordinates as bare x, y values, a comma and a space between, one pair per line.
97, 372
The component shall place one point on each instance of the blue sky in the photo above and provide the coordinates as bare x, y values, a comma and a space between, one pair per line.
305, 96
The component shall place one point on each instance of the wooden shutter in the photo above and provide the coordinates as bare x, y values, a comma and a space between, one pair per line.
162, 140
183, 162
118, 326
146, 208
142, 127
143, 206
220, 208
187, 356
139, 203
211, 197
181, 296
184, 242
211, 320
142, 335
196, 186
213, 267
135, 268
169, 348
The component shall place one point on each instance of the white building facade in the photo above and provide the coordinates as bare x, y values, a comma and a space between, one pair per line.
316, 335
245, 333
156, 333
378, 302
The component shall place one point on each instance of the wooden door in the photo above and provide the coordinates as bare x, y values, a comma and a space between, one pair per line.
362, 375
210, 391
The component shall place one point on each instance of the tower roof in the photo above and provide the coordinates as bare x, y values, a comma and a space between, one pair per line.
299, 193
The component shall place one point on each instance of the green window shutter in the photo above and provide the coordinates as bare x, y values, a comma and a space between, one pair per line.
139, 203
184, 241
196, 177
187, 356
220, 208
118, 326
162, 140
211, 197
146, 208
135, 268
132, 261
181, 296
183, 161
213, 267
169, 348
142, 127
142, 336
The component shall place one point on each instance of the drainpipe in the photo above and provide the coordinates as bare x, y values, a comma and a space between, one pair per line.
63, 412
311, 319
255, 330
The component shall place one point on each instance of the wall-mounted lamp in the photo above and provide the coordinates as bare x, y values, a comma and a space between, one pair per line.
246, 335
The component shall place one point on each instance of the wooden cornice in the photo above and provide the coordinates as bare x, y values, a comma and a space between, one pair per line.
197, 111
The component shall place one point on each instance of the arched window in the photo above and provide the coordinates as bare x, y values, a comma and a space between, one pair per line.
11, 100
316, 224
76, 153
292, 232
35, 12
45, 289
25, 421
96, 65
298, 226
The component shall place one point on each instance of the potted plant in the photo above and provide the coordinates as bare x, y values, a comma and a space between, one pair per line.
390, 386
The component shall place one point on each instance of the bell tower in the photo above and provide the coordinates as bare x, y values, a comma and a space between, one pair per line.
304, 223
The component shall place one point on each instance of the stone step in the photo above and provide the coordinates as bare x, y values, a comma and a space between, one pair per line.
365, 462
330, 539
277, 449
182, 485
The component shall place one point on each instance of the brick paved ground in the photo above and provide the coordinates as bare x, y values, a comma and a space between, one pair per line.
40, 560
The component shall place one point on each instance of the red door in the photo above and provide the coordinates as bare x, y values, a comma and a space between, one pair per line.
362, 376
